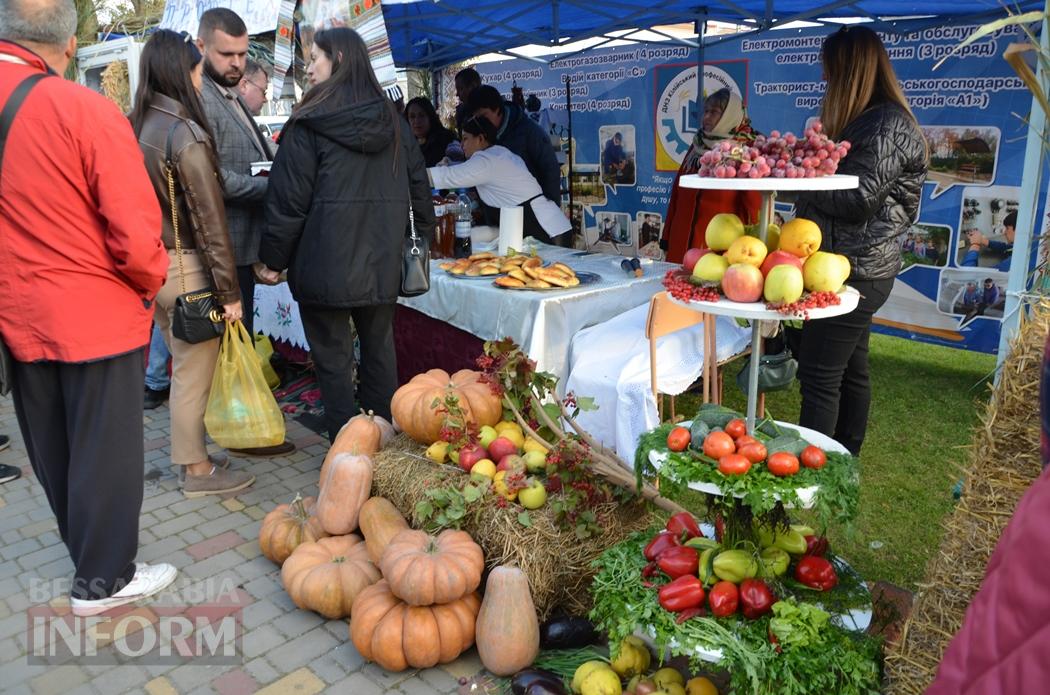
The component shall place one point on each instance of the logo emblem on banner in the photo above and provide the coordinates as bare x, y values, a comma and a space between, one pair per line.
677, 117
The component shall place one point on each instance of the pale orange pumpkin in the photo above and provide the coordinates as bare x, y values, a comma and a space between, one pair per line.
424, 569
397, 636
344, 489
414, 410
508, 631
326, 576
380, 521
365, 434
288, 525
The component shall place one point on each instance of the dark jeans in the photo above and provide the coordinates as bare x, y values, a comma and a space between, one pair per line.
246, 279
332, 349
82, 426
833, 368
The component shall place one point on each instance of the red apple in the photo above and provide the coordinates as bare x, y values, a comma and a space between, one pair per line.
469, 455
512, 463
691, 257
500, 447
742, 282
778, 257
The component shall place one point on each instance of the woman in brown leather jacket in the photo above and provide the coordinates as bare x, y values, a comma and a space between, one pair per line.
167, 106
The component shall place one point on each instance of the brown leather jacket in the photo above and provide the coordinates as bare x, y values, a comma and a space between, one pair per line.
198, 192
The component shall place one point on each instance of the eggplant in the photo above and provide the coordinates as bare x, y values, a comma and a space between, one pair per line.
535, 681
567, 632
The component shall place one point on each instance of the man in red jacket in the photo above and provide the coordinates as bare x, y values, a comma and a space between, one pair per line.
80, 263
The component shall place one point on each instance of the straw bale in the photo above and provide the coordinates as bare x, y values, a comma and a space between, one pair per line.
1002, 462
556, 562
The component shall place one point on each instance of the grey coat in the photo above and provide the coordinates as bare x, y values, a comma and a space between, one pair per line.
237, 147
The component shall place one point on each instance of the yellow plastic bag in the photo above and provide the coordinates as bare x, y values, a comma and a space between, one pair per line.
264, 349
242, 412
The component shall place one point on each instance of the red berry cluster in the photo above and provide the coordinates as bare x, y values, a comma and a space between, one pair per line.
811, 300
780, 156
677, 284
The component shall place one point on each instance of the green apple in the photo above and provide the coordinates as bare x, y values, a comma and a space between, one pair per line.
487, 435
723, 229
711, 267
783, 284
534, 496
535, 461
825, 272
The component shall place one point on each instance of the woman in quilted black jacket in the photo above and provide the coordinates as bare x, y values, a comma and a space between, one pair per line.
863, 104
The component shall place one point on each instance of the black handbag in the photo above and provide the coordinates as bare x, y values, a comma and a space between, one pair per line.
775, 372
197, 317
415, 261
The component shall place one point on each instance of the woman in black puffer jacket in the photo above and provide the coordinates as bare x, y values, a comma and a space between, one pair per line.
863, 104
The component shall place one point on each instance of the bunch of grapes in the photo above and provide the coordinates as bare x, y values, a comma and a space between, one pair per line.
678, 286
811, 300
780, 156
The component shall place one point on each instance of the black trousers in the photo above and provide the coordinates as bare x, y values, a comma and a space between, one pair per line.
332, 349
833, 368
82, 426
246, 279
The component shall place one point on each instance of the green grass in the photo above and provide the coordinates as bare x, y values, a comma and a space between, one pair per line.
925, 402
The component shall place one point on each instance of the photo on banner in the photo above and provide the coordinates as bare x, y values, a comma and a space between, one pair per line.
619, 163
961, 155
926, 244
650, 227
971, 294
983, 221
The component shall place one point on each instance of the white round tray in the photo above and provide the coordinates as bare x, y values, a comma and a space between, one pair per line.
848, 298
805, 494
835, 182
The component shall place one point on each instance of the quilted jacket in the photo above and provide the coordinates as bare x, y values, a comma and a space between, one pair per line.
888, 155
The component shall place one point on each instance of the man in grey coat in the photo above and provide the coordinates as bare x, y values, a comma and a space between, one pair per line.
223, 40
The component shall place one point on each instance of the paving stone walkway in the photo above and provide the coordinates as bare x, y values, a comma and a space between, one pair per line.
214, 543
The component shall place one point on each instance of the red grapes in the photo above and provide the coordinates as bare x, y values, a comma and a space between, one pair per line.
780, 156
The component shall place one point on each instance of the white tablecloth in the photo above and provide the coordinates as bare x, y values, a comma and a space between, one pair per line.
277, 314
543, 323
610, 362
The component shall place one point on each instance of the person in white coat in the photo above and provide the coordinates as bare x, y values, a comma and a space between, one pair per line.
502, 181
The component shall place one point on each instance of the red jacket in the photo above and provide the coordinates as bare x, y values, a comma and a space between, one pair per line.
80, 251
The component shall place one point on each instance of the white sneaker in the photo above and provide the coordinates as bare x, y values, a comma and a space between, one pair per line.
148, 580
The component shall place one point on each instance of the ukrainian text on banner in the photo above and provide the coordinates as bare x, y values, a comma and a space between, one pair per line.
185, 15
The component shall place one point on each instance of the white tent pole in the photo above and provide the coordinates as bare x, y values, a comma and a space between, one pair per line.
1027, 224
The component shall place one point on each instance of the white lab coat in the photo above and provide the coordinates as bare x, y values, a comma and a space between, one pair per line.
503, 181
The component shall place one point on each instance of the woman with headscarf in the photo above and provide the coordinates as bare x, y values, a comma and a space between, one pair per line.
690, 209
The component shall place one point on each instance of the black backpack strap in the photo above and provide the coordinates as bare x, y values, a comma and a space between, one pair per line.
14, 102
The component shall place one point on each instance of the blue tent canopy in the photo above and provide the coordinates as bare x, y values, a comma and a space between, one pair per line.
432, 34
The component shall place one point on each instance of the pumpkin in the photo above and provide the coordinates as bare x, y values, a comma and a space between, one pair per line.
424, 569
413, 404
365, 434
380, 521
286, 526
344, 489
397, 636
507, 630
327, 575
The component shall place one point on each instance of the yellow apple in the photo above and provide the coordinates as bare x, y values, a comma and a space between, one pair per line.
499, 484
800, 237
534, 496
515, 436
535, 461
784, 284
437, 452
484, 467
723, 229
711, 267
825, 272
486, 435
533, 445
746, 249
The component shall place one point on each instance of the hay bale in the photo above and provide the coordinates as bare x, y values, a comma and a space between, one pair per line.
1002, 462
556, 562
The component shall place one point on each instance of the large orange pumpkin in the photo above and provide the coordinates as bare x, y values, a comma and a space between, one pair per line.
344, 488
365, 434
380, 521
288, 525
413, 404
397, 636
507, 629
424, 569
326, 576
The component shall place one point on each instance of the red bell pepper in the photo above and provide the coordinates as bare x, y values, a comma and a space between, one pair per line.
816, 573
816, 545
756, 598
660, 542
678, 561
724, 598
684, 526
682, 594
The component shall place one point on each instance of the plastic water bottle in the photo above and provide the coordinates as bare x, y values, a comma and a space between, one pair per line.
463, 223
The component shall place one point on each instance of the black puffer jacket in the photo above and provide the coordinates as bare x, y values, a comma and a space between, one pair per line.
337, 205
888, 155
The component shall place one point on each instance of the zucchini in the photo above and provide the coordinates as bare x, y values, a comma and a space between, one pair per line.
791, 444
718, 416
698, 432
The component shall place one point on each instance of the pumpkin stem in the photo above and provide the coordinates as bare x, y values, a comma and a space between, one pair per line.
432, 546
298, 509
338, 559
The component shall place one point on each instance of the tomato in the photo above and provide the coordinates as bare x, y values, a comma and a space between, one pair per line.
755, 452
746, 439
813, 457
724, 598
782, 463
718, 444
733, 464
736, 428
678, 439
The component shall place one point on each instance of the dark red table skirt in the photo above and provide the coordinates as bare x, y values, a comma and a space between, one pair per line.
424, 343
